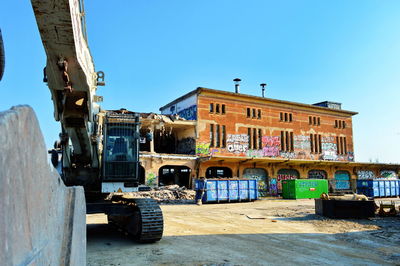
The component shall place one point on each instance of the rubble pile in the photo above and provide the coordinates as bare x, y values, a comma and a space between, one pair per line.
167, 194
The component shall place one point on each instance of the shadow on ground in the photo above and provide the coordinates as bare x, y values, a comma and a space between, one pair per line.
108, 246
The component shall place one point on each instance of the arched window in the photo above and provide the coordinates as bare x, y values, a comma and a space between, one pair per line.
262, 177
218, 172
174, 175
286, 174
342, 180
317, 174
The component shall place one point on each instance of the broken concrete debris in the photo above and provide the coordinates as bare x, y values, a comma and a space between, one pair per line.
167, 194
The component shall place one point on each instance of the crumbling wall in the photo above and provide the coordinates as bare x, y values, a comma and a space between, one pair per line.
42, 222
186, 146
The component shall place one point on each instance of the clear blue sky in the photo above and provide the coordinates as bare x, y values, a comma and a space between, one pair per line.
154, 51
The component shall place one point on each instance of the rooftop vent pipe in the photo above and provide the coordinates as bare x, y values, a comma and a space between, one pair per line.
263, 85
237, 84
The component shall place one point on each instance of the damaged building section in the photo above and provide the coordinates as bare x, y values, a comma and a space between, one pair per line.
217, 134
167, 150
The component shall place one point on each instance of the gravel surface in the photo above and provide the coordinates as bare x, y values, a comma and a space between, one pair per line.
265, 232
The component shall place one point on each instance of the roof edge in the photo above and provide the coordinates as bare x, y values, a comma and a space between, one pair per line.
201, 89
198, 90
187, 95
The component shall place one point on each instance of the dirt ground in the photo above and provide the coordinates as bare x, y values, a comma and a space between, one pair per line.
265, 232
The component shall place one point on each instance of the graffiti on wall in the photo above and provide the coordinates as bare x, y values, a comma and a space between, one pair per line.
203, 149
255, 153
261, 176
281, 177
271, 146
350, 156
185, 108
302, 142
329, 148
317, 174
237, 143
388, 174
273, 186
189, 113
365, 174
287, 154
328, 139
216, 151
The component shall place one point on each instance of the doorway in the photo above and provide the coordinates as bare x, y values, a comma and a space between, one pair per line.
174, 175
262, 179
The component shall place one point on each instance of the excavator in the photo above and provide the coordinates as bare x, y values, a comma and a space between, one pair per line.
100, 149
2, 60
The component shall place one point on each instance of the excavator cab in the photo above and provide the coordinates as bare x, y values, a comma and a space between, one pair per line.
121, 153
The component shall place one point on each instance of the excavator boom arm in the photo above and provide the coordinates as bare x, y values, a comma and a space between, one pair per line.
69, 72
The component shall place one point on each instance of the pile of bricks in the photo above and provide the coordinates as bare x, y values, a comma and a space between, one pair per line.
168, 194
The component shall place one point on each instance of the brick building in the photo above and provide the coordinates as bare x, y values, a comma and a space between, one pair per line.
227, 134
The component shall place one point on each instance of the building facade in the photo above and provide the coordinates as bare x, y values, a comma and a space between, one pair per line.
225, 135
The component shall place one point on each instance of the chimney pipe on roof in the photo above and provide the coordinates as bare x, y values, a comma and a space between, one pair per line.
263, 85
237, 84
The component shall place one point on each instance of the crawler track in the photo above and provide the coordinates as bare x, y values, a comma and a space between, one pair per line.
152, 224
145, 225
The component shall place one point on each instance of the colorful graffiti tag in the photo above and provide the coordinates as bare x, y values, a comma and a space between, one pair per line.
203, 149
189, 113
255, 153
237, 143
302, 142
350, 156
317, 174
273, 186
261, 176
216, 151
390, 174
329, 149
271, 146
281, 177
287, 154
365, 174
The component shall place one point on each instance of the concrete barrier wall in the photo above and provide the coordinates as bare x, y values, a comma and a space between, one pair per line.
42, 222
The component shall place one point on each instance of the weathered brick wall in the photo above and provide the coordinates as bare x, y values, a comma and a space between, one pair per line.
236, 122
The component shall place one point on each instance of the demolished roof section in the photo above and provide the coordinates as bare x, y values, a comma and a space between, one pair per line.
162, 118
170, 120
